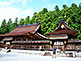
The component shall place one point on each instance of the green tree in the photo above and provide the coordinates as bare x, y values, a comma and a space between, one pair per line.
14, 24
3, 23
49, 20
9, 24
21, 22
27, 20
64, 6
80, 5
74, 5
3, 27
44, 10
57, 8
16, 21
35, 13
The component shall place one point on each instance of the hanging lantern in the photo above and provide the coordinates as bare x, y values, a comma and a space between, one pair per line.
2, 42
64, 42
50, 42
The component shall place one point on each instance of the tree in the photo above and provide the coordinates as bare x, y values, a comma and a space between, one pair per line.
16, 21
35, 13
44, 10
3, 23
80, 5
27, 20
57, 8
49, 20
21, 22
12, 27
73, 5
3, 27
64, 6
9, 24
14, 24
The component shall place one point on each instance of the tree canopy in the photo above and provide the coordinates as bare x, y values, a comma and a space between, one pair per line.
49, 20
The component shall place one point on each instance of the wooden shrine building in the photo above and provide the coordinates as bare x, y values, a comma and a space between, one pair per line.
30, 37
25, 37
60, 36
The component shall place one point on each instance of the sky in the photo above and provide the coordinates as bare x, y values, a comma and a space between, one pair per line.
24, 8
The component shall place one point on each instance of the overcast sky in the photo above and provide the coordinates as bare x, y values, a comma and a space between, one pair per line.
24, 8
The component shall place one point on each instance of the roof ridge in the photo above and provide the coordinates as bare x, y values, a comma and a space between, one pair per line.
28, 24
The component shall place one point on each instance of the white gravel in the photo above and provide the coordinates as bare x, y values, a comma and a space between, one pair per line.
26, 57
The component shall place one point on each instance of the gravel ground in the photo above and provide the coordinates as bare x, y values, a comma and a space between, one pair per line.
29, 57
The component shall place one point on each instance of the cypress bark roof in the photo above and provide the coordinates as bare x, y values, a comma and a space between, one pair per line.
23, 30
31, 30
63, 29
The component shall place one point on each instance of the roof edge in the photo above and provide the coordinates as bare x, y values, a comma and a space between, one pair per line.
28, 24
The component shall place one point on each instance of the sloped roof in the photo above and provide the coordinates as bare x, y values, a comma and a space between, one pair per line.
33, 31
37, 36
23, 30
63, 29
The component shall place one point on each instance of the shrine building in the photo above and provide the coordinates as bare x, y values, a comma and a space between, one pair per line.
30, 37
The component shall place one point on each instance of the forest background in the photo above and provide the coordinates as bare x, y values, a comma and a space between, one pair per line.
49, 20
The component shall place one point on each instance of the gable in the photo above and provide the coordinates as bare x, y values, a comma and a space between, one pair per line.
62, 26
63, 29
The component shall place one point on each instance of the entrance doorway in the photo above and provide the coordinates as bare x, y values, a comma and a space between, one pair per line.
58, 45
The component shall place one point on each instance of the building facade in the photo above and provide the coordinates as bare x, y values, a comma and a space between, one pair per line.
29, 37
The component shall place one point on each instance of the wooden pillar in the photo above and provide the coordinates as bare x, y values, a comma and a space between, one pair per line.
52, 43
21, 38
26, 39
15, 38
64, 48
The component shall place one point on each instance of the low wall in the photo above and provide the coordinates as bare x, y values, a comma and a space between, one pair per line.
27, 47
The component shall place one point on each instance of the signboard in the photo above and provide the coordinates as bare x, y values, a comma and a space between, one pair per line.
58, 43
